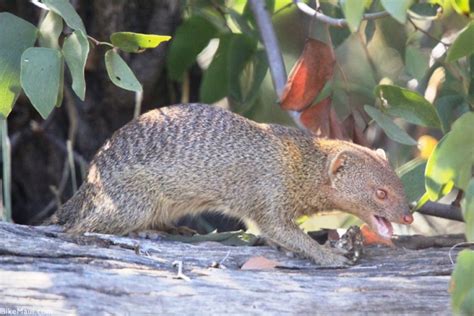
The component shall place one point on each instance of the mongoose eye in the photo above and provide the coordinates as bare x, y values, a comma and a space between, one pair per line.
381, 194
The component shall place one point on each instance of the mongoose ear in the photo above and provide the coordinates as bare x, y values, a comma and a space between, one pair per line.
381, 153
336, 164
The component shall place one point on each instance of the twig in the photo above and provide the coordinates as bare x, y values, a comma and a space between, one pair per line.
7, 171
97, 42
72, 166
138, 103
272, 49
180, 274
426, 33
334, 21
56, 201
457, 245
441, 210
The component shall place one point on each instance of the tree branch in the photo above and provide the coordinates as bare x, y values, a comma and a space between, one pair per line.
272, 49
441, 210
270, 42
333, 21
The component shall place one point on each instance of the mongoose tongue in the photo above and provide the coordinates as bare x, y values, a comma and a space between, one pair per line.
382, 226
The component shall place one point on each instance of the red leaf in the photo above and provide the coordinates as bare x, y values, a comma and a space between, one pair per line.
313, 69
322, 120
354, 132
259, 263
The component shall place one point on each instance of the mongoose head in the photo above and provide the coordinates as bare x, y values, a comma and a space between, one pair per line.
364, 184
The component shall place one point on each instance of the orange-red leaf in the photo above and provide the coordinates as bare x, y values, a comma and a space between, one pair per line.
259, 263
322, 120
313, 69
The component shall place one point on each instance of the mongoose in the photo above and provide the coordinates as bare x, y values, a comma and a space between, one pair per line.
190, 158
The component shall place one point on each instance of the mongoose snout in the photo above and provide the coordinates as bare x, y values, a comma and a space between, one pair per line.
191, 158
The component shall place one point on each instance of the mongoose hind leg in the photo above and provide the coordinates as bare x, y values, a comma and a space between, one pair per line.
290, 237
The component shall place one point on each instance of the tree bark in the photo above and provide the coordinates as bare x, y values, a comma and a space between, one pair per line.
56, 273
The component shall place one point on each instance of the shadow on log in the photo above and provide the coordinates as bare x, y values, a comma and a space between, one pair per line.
54, 273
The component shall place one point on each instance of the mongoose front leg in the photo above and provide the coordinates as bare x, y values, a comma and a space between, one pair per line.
288, 235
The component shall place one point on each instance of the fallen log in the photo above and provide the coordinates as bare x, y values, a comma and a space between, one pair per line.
53, 273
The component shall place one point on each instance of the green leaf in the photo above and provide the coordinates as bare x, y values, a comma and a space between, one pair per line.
215, 80
468, 210
190, 39
67, 12
408, 105
449, 108
463, 45
136, 42
119, 72
412, 175
390, 128
16, 35
240, 51
452, 159
50, 29
353, 11
461, 6
416, 62
76, 50
260, 67
59, 100
40, 77
462, 295
397, 8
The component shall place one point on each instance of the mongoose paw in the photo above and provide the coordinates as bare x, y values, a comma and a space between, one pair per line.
333, 260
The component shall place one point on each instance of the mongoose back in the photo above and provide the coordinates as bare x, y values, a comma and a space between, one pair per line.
190, 158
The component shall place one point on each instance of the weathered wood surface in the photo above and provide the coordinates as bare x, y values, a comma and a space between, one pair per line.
99, 274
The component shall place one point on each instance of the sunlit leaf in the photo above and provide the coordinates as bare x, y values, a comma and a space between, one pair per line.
451, 162
119, 72
461, 6
137, 42
390, 128
468, 210
408, 105
463, 45
76, 50
462, 287
353, 11
190, 39
397, 8
68, 13
50, 29
16, 35
40, 77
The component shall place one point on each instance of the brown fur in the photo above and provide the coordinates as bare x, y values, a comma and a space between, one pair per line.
191, 158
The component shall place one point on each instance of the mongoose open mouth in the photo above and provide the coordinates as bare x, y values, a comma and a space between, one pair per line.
382, 226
